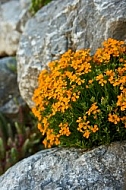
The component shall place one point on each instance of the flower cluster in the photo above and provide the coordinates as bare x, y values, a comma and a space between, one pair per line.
81, 99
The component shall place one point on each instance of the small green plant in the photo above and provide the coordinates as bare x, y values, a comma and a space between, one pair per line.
81, 99
38, 4
18, 140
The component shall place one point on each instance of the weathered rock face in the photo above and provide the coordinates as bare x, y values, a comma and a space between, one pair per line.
102, 168
62, 25
12, 21
10, 99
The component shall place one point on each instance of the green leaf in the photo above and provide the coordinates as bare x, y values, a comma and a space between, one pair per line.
25, 147
18, 128
3, 127
2, 149
14, 154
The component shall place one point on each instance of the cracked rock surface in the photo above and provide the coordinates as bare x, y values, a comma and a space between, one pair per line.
61, 25
69, 169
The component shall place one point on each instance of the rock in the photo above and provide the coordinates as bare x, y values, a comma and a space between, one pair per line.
12, 21
61, 25
10, 99
102, 168
4, 1
25, 3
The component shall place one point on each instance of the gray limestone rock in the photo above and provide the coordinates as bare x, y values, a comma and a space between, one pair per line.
102, 168
61, 25
12, 22
10, 99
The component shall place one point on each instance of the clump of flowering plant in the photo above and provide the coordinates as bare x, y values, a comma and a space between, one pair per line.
81, 99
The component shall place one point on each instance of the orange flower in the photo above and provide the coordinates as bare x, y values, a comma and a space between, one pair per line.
95, 128
75, 96
86, 134
90, 81
36, 113
64, 129
123, 119
93, 109
101, 80
109, 73
84, 126
110, 47
113, 118
121, 60
122, 100
79, 120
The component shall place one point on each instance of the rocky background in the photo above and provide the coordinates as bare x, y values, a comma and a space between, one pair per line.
12, 22
27, 44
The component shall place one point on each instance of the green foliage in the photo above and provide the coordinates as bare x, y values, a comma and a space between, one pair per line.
18, 139
38, 4
81, 99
